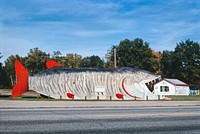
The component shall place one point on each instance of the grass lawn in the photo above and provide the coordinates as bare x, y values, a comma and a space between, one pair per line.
28, 99
185, 98
174, 98
31, 97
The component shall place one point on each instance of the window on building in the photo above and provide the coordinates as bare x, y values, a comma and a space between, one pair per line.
164, 88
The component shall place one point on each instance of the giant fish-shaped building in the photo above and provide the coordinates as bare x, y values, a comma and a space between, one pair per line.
86, 83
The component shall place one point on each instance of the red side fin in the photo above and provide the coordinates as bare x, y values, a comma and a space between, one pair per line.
70, 95
119, 96
52, 63
22, 80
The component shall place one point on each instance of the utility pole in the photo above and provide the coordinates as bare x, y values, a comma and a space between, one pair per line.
115, 61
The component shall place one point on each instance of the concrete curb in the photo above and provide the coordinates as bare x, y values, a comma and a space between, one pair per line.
19, 104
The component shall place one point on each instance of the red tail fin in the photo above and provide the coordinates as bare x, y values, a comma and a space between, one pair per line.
22, 80
52, 63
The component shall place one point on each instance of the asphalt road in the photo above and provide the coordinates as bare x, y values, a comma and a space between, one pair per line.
183, 120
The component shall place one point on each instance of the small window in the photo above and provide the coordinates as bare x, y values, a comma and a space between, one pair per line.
164, 89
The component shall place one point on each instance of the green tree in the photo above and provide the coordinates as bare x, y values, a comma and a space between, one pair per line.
57, 56
71, 60
188, 57
0, 55
110, 57
166, 64
183, 63
136, 54
4, 81
92, 61
10, 68
3, 77
36, 60
155, 60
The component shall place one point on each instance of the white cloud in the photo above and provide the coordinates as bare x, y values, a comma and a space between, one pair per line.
82, 26
12, 46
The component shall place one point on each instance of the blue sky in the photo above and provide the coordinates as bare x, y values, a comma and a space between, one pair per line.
91, 27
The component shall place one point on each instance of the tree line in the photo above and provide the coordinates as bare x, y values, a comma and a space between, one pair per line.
182, 63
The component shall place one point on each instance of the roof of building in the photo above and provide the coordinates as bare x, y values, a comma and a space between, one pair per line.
175, 81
